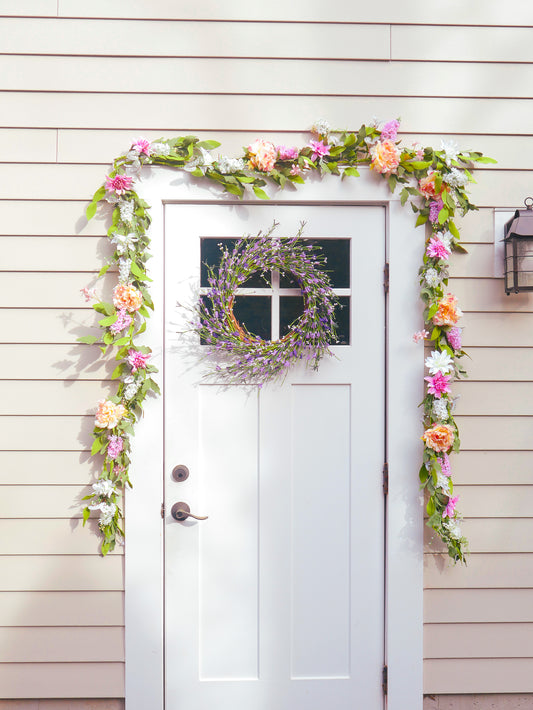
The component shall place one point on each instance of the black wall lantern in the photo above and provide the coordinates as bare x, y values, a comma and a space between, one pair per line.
519, 250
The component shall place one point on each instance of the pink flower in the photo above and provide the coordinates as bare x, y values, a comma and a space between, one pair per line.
296, 170
116, 445
390, 130
137, 360
435, 207
287, 153
118, 184
450, 507
319, 149
438, 384
444, 461
89, 293
262, 155
417, 337
141, 145
454, 337
437, 249
123, 321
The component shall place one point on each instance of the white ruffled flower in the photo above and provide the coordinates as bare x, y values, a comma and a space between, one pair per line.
105, 488
455, 178
440, 409
160, 148
226, 165
123, 242
126, 211
124, 266
450, 149
131, 390
321, 127
202, 160
432, 277
107, 511
446, 238
453, 528
443, 482
439, 362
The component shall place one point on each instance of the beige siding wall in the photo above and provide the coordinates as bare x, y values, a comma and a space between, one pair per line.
78, 82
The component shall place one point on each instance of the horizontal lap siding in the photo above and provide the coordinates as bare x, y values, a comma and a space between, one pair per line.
78, 82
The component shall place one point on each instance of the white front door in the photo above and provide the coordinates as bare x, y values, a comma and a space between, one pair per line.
276, 601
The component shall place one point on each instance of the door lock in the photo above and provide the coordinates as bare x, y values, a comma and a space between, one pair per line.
181, 511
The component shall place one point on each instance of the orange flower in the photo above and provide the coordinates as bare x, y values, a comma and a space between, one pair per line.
449, 312
385, 157
109, 414
439, 438
128, 297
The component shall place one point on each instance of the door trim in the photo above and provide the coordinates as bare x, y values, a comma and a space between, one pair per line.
144, 611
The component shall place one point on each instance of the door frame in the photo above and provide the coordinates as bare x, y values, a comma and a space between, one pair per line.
144, 553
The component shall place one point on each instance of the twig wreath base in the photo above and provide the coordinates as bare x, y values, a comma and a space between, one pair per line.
240, 357
432, 181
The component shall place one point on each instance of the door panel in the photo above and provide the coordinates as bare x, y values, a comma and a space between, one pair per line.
276, 601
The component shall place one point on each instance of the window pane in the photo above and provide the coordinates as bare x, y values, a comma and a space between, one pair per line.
291, 307
254, 313
337, 253
210, 255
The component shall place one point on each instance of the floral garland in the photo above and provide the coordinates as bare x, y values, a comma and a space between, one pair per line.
432, 181
250, 359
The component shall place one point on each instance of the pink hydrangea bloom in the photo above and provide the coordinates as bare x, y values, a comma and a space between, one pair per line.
319, 149
137, 360
444, 461
118, 184
417, 337
287, 152
88, 293
450, 507
438, 384
435, 207
141, 145
454, 337
123, 321
115, 446
437, 249
390, 130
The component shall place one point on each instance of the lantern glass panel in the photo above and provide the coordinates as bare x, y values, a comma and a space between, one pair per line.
525, 263
509, 268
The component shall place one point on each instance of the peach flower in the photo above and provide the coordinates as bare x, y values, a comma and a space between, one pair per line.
128, 297
427, 186
385, 157
263, 155
449, 312
439, 438
109, 414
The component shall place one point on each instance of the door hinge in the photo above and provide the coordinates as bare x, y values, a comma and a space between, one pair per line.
385, 478
162, 510
386, 272
385, 680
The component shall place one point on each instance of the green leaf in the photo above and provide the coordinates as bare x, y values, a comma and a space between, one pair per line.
260, 193
91, 210
86, 515
351, 172
103, 307
117, 372
197, 173
97, 445
234, 189
122, 341
430, 506
108, 320
434, 308
154, 385
88, 339
419, 165
136, 271
484, 159
108, 338
103, 270
208, 145
453, 229
421, 219
443, 215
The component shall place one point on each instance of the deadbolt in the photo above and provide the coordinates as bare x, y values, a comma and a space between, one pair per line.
180, 473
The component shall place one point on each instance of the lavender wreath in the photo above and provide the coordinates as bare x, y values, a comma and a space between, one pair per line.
242, 357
